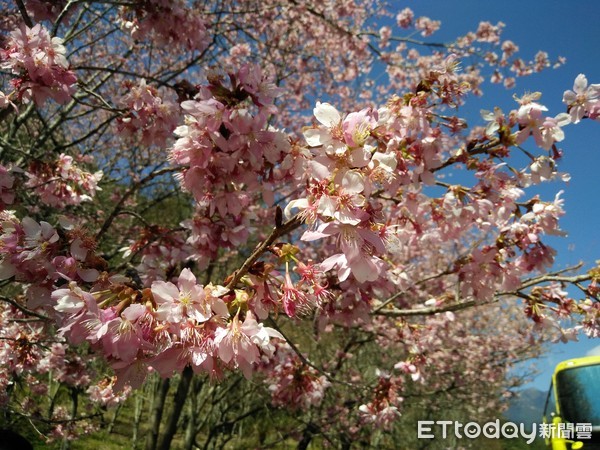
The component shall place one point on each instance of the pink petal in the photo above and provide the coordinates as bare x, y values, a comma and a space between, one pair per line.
88, 275
164, 291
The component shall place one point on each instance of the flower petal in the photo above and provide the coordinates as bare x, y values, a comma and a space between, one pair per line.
327, 114
580, 84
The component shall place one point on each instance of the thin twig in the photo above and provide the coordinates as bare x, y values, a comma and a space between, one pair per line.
24, 14
399, 294
118, 207
277, 232
23, 309
457, 306
432, 310
61, 16
303, 358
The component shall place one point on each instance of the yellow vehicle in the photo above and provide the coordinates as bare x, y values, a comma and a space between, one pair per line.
572, 411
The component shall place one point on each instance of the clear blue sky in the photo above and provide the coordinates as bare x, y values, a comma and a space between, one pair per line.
569, 28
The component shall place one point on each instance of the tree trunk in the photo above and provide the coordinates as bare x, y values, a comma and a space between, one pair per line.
178, 402
111, 424
137, 416
157, 411
66, 443
190, 432
307, 436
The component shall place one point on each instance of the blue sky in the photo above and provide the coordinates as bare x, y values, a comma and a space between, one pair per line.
568, 28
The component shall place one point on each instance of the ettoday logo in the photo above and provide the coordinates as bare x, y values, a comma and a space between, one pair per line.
429, 429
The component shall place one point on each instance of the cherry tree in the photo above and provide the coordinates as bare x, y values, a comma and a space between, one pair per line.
221, 192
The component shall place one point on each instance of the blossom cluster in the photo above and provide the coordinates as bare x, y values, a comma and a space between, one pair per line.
366, 159
62, 182
165, 328
169, 22
427, 26
32, 252
31, 356
226, 153
383, 409
154, 117
500, 55
292, 383
39, 65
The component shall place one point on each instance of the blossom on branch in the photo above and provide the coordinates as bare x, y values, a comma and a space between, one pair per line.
39, 64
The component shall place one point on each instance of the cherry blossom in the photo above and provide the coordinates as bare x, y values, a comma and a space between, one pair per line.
241, 342
7, 195
161, 18
155, 117
293, 384
63, 182
176, 303
39, 64
582, 98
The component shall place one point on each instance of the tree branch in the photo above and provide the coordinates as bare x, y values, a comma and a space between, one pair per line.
429, 311
277, 232
117, 209
23, 309
24, 14
303, 358
457, 306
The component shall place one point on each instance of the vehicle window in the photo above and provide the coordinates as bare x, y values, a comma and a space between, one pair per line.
578, 393
550, 407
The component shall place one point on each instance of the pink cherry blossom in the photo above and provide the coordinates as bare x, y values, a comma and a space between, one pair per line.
551, 131
405, 18
149, 113
159, 18
582, 98
240, 344
38, 60
63, 181
329, 137
7, 195
186, 300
